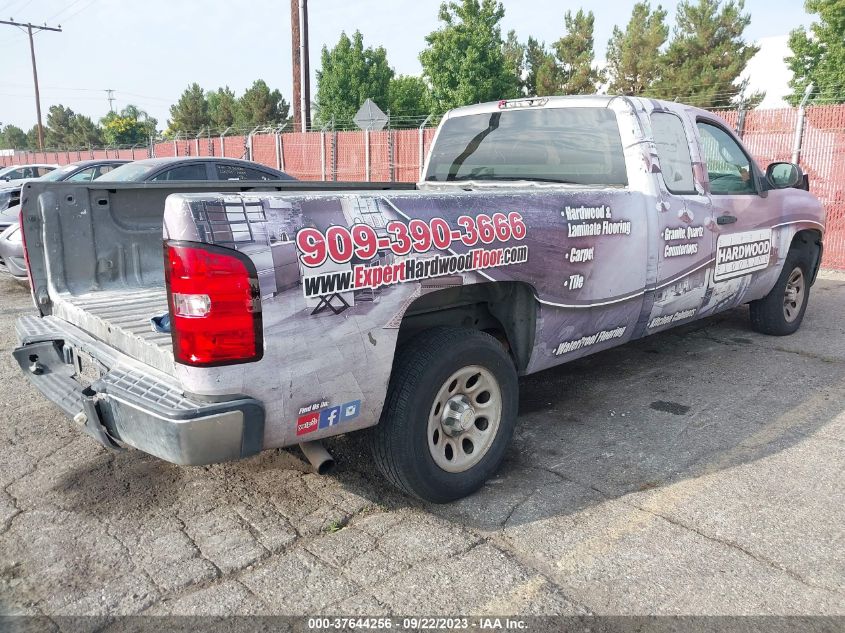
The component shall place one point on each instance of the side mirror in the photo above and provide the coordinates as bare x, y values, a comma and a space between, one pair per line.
786, 175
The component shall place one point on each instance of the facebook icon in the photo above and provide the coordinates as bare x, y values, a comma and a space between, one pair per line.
329, 417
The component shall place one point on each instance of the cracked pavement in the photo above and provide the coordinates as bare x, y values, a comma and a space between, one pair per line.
699, 471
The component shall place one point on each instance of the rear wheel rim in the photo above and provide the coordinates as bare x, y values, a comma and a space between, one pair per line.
793, 296
464, 419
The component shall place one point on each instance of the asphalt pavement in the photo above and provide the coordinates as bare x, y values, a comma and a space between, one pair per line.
699, 471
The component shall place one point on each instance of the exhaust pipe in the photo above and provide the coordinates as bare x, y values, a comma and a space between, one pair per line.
319, 458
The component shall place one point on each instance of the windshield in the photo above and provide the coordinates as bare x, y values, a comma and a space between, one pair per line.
571, 145
60, 173
130, 172
7, 170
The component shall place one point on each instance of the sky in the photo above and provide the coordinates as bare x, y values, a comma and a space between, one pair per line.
149, 51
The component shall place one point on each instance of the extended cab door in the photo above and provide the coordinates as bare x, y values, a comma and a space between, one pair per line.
683, 242
743, 218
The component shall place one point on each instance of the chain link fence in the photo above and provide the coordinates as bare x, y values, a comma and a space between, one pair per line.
398, 154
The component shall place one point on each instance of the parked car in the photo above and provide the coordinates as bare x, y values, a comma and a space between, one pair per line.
15, 173
11, 248
197, 168
146, 170
544, 230
79, 171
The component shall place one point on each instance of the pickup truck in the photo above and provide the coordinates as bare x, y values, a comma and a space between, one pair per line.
214, 322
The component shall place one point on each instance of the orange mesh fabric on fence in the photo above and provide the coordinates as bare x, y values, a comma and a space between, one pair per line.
823, 158
394, 155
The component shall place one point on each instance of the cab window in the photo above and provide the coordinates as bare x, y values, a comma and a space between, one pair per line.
184, 172
728, 166
83, 176
673, 152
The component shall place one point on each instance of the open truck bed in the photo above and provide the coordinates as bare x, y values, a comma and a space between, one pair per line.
97, 267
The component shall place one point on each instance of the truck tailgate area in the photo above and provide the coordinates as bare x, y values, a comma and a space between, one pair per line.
121, 318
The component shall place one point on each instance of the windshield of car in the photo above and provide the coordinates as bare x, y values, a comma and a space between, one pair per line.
567, 145
60, 173
130, 172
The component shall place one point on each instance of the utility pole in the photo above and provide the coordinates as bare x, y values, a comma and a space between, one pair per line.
299, 57
37, 28
110, 97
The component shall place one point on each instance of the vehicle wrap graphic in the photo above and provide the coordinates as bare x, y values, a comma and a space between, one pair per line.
338, 272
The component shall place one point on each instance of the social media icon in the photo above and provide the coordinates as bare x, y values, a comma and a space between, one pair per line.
329, 417
307, 423
350, 410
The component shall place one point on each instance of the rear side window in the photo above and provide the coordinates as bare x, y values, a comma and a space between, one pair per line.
239, 172
184, 172
573, 145
83, 176
673, 152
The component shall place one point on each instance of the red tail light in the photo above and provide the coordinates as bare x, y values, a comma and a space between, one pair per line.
215, 305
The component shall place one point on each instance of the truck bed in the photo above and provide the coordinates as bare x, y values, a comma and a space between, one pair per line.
121, 318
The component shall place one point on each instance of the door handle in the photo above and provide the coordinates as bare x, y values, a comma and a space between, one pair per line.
726, 219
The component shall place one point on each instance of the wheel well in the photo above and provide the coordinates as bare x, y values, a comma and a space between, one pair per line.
505, 309
810, 241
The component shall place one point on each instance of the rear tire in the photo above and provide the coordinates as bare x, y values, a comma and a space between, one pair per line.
781, 312
449, 416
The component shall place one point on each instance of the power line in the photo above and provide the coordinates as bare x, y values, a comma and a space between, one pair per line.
29, 28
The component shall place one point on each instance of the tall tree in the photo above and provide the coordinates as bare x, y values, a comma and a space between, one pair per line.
707, 54
536, 56
13, 137
58, 129
190, 113
130, 126
84, 132
409, 100
349, 75
222, 108
32, 138
634, 59
575, 54
819, 56
261, 106
514, 53
464, 61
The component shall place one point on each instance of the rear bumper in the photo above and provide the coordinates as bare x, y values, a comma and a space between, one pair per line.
126, 402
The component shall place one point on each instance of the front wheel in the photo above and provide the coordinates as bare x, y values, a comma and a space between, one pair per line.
449, 416
781, 311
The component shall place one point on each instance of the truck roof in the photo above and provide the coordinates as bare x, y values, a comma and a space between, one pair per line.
569, 101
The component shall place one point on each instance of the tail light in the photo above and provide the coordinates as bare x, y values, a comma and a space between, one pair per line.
215, 305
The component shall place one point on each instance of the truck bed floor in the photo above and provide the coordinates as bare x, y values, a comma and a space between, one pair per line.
121, 317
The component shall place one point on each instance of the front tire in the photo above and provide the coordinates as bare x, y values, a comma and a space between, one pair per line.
781, 312
449, 416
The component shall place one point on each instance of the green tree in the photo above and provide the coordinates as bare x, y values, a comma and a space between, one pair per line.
707, 54
575, 54
464, 61
190, 113
261, 106
409, 100
536, 55
130, 126
222, 108
634, 59
32, 138
349, 75
514, 53
57, 132
819, 56
13, 137
84, 132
